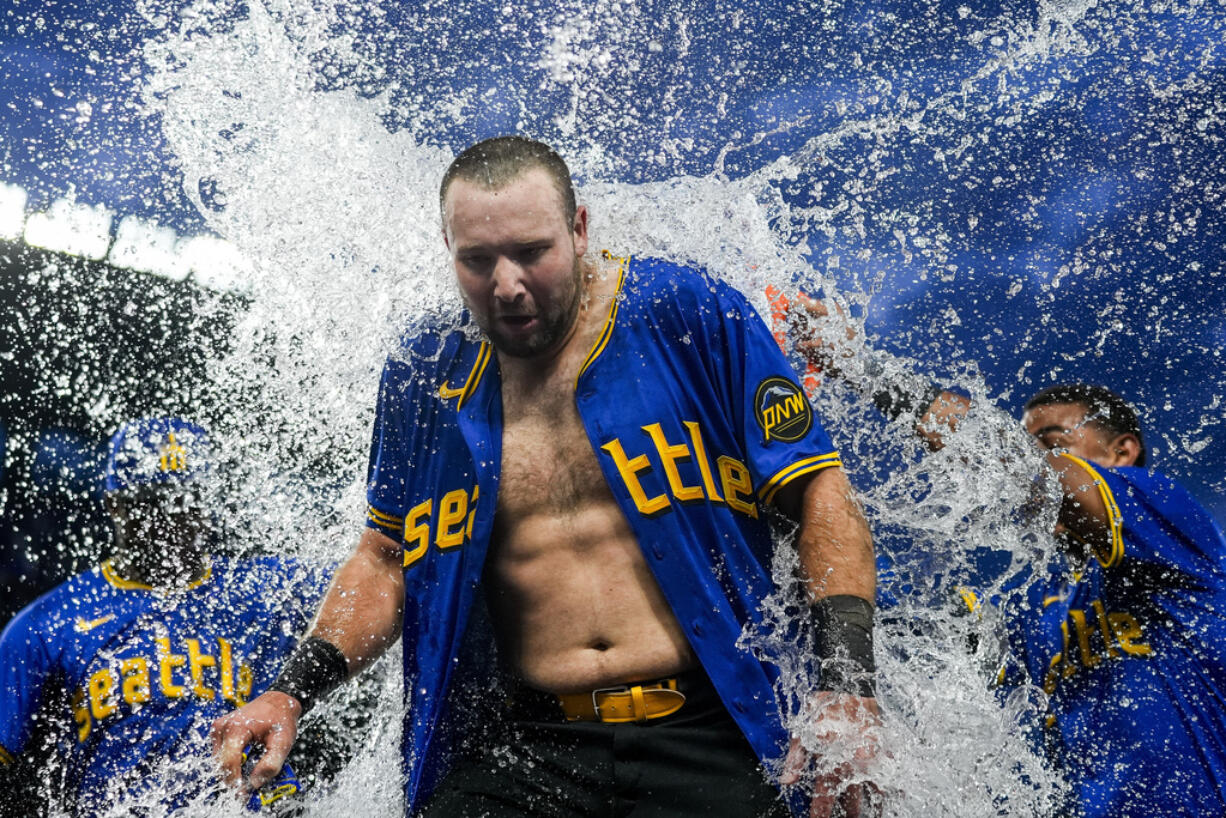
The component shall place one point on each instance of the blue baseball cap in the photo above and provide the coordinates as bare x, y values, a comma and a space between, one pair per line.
155, 452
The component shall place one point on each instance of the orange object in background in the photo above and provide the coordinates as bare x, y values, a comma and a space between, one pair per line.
779, 306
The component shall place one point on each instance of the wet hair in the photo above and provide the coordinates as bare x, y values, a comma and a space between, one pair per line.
494, 163
1105, 409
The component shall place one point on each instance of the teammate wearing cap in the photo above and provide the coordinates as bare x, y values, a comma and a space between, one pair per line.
125, 666
1125, 630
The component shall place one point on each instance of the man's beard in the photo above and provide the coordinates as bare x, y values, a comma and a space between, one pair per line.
554, 324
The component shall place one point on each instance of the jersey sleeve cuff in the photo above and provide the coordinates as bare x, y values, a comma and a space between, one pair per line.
794, 470
382, 521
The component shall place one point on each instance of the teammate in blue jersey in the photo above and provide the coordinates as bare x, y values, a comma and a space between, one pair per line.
1126, 631
586, 477
125, 667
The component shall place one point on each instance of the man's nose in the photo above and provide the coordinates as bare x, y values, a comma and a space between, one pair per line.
508, 280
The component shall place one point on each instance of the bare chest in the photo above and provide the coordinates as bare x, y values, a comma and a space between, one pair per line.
548, 465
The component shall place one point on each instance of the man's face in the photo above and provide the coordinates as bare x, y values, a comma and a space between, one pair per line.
1064, 426
170, 519
517, 260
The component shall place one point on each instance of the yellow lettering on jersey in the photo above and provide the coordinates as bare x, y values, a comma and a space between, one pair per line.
417, 530
1100, 614
245, 679
452, 510
472, 513
1119, 632
704, 465
629, 469
135, 673
1053, 674
1068, 667
1128, 633
669, 455
102, 693
1088, 657
80, 714
167, 662
197, 661
738, 484
226, 654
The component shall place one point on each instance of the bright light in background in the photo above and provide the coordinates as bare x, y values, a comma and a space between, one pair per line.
12, 211
67, 227
140, 245
148, 247
215, 263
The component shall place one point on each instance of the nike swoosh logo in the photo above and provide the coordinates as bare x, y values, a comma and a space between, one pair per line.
448, 392
84, 626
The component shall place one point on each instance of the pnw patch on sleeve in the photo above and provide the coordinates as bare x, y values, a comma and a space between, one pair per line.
782, 410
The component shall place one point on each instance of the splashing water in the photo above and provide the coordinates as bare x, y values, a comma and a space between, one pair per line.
321, 130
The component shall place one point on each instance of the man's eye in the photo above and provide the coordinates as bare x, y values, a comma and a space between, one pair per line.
1052, 441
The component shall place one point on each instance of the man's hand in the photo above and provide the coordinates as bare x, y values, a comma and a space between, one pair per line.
270, 721
840, 748
821, 337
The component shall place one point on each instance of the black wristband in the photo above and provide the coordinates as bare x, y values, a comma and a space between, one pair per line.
894, 401
843, 627
312, 671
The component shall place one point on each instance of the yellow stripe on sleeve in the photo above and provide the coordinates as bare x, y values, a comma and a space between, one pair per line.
383, 520
798, 469
6, 758
1115, 520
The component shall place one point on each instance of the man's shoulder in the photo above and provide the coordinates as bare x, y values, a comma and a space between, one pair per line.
54, 610
431, 347
1155, 486
270, 582
658, 284
270, 568
654, 276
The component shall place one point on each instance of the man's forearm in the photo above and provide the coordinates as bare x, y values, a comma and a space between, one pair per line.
836, 549
361, 613
360, 617
836, 558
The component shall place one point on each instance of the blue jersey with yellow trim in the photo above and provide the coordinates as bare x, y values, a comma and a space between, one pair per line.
131, 678
1132, 653
697, 422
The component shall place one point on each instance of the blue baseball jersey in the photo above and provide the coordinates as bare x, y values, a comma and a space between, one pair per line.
697, 422
1131, 651
130, 677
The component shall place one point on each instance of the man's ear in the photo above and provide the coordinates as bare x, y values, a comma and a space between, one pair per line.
1124, 450
579, 230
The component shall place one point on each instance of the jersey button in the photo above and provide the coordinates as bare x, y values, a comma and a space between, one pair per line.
696, 628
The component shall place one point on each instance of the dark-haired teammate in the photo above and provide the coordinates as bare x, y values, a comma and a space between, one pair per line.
127, 665
1126, 634
593, 463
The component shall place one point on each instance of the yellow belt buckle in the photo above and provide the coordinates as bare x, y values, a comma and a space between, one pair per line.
598, 691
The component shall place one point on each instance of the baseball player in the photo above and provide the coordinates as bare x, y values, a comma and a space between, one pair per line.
1125, 631
585, 474
126, 665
